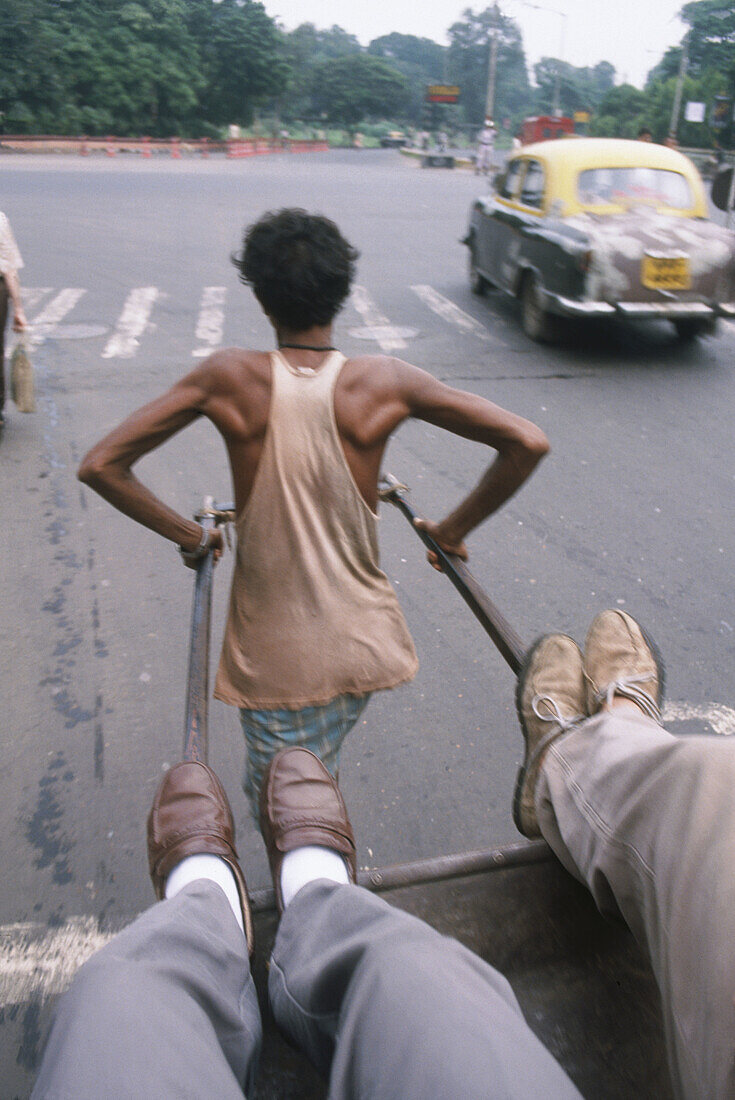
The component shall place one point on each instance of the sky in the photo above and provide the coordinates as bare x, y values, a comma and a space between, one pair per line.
632, 34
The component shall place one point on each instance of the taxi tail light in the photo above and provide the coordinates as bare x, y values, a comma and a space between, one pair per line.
584, 261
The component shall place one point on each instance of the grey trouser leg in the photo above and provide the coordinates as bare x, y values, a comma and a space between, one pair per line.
167, 1009
387, 1007
647, 821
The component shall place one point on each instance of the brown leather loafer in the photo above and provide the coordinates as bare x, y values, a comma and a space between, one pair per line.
191, 816
301, 804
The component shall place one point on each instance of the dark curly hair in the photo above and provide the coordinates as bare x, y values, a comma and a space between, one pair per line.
299, 266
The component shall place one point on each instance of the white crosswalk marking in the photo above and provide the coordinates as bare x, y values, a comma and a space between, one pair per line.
43, 323
719, 716
132, 321
32, 295
448, 311
211, 320
37, 961
384, 333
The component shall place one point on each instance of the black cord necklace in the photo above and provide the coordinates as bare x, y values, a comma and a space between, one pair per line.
308, 347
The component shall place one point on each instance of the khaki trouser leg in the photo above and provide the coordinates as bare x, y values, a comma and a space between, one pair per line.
4, 297
647, 821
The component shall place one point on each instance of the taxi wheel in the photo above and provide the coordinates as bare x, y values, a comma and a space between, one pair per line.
536, 321
691, 330
478, 282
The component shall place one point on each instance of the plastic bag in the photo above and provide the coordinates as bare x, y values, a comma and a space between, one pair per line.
22, 387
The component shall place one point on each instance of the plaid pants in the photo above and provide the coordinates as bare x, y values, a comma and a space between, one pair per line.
320, 729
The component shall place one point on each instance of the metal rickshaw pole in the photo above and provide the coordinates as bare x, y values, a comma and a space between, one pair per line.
501, 632
197, 687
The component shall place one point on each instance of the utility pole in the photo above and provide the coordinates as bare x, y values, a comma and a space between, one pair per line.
555, 109
492, 65
673, 125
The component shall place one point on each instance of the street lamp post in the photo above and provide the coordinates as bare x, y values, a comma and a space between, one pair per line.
557, 82
492, 65
556, 107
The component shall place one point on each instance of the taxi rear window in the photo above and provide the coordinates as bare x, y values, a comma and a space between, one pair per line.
627, 186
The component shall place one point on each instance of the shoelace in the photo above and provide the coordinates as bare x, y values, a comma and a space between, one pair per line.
627, 687
553, 713
560, 724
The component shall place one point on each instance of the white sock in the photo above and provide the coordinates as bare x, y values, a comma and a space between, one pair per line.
305, 864
206, 866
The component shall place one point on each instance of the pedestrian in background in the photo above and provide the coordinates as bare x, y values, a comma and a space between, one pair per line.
10, 261
485, 148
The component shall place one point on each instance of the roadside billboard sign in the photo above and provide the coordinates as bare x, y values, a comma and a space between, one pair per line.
694, 112
442, 93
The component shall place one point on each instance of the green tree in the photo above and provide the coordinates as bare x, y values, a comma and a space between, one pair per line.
702, 89
305, 48
469, 52
244, 63
711, 37
667, 67
421, 61
579, 89
603, 78
710, 49
32, 83
336, 42
135, 66
406, 49
621, 113
356, 87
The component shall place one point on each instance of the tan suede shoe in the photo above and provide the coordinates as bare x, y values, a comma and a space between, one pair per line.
550, 702
621, 660
301, 804
191, 816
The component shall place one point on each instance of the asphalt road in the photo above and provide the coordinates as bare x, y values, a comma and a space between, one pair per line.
633, 508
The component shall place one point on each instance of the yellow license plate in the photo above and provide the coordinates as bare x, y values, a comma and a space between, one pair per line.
665, 272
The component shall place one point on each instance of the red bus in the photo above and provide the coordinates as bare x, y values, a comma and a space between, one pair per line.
545, 128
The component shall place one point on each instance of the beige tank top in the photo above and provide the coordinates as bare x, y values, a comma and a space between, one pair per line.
311, 615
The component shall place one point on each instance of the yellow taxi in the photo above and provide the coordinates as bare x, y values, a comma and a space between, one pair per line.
603, 227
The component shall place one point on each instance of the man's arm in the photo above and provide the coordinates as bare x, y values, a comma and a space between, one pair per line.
520, 445
107, 468
13, 284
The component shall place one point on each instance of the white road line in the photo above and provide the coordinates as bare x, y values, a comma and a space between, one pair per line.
44, 322
450, 312
39, 962
384, 333
32, 295
720, 717
124, 342
211, 320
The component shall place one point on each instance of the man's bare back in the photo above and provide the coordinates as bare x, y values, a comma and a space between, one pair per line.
373, 396
351, 638
235, 390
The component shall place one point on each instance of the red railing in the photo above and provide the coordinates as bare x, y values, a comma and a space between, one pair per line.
253, 147
146, 146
